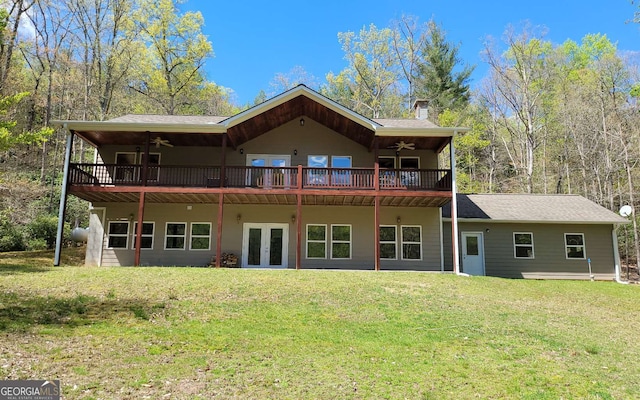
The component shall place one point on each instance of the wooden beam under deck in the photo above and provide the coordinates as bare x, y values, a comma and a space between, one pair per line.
393, 198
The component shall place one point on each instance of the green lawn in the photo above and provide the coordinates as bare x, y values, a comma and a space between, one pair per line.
183, 333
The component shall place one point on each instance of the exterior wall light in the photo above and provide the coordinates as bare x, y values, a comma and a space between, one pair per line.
238, 217
398, 220
301, 121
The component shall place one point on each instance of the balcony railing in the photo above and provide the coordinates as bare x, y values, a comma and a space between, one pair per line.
259, 177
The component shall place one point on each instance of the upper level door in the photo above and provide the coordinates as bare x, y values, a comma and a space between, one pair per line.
268, 177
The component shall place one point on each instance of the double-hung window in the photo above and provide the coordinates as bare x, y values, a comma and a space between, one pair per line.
574, 246
118, 234
411, 242
523, 245
175, 236
146, 239
200, 236
388, 242
340, 241
316, 241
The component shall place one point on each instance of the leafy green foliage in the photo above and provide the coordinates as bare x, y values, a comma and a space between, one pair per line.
8, 137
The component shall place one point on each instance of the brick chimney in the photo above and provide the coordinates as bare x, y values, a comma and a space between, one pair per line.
420, 109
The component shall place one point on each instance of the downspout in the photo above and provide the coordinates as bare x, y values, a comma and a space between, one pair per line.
63, 197
616, 255
454, 210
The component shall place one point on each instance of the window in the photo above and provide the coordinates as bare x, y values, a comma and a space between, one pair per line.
340, 241
118, 235
146, 239
341, 176
411, 242
410, 178
574, 245
316, 241
125, 170
317, 176
153, 171
523, 245
200, 236
175, 236
388, 242
386, 162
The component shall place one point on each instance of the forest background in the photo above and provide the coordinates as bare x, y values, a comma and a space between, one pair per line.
547, 117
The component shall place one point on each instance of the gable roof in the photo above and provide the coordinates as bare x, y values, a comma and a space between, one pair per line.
290, 105
531, 208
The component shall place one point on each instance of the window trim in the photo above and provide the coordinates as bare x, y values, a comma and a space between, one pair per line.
402, 243
408, 158
515, 245
583, 245
192, 236
184, 246
325, 241
350, 242
152, 235
395, 242
125, 235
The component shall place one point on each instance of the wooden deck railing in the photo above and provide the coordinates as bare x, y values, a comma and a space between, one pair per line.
259, 177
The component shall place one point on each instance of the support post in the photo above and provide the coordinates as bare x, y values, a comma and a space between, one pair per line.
136, 261
219, 239
455, 247
299, 219
376, 206
223, 167
63, 197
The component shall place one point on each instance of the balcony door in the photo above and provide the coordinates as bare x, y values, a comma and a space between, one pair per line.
265, 245
260, 176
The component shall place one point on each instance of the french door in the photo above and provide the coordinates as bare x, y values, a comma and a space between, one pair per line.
265, 245
268, 177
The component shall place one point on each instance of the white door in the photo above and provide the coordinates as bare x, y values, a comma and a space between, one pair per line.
265, 245
472, 253
268, 177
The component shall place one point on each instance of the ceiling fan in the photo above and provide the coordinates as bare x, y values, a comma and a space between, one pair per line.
403, 145
161, 142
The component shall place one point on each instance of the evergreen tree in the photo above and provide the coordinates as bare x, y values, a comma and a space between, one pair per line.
440, 80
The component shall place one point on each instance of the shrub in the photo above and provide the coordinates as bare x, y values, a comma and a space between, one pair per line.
43, 227
11, 238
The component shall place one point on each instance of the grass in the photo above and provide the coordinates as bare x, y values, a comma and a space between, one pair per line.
185, 333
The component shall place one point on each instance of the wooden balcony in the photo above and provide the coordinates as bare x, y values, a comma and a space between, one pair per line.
259, 177
111, 182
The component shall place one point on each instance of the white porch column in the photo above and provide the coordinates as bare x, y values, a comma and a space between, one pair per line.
63, 198
454, 210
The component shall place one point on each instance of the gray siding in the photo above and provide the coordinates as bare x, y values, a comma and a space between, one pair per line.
549, 260
360, 218
311, 139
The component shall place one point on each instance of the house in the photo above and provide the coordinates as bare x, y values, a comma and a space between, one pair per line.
534, 236
298, 181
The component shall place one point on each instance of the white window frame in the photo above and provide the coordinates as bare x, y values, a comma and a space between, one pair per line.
394, 242
583, 245
124, 235
157, 166
516, 245
409, 158
151, 235
403, 242
349, 242
325, 241
192, 236
166, 236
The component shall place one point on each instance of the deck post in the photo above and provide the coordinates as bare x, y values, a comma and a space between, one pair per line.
376, 206
223, 160
63, 197
454, 211
219, 240
299, 219
136, 261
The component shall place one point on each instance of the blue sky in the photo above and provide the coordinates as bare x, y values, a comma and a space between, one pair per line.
255, 40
